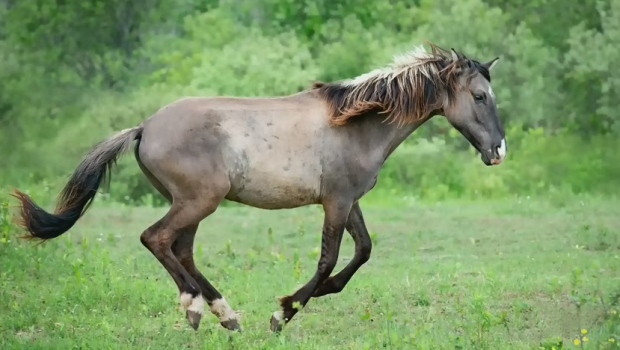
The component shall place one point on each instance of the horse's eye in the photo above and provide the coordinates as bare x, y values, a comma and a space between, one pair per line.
479, 98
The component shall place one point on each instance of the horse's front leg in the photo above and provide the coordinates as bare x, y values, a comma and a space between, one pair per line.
336, 213
363, 246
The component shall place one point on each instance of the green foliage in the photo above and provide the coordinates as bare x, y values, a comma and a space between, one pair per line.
95, 39
75, 72
592, 58
6, 226
543, 18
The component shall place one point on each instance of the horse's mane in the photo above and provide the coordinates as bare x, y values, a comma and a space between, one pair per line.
407, 90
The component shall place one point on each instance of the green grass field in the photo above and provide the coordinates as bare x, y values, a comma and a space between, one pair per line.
460, 275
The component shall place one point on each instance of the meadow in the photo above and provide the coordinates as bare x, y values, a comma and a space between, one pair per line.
519, 273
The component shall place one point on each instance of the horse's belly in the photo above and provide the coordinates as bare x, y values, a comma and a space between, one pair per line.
274, 191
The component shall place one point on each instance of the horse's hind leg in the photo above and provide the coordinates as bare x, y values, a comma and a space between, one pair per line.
158, 240
363, 246
183, 250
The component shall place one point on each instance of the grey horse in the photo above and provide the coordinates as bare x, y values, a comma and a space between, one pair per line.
325, 145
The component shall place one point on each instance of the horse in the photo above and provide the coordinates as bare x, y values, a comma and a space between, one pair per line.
322, 146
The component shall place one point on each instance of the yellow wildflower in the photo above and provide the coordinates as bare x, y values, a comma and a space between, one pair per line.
584, 331
577, 342
612, 340
584, 339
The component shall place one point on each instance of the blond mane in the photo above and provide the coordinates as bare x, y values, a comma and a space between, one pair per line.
407, 90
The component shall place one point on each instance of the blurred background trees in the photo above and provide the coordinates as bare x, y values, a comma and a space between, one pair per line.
72, 72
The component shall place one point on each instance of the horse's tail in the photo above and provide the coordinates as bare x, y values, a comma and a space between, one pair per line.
80, 190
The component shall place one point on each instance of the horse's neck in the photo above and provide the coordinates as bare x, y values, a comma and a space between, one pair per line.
389, 136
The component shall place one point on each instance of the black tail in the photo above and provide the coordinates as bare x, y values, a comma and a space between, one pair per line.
80, 190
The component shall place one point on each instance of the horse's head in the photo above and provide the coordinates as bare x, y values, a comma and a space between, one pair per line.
471, 108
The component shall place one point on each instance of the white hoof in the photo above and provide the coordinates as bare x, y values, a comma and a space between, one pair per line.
278, 316
223, 311
190, 303
185, 300
277, 322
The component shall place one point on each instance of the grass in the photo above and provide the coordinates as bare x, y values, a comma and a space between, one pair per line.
511, 274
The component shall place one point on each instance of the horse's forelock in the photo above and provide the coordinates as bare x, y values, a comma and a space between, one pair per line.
480, 68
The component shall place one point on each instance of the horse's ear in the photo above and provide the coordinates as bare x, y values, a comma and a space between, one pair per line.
489, 65
460, 61
317, 85
455, 55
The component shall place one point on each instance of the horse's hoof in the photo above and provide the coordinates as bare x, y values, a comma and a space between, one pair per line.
232, 325
194, 318
276, 322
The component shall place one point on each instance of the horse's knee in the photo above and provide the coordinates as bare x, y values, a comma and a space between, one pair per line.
365, 250
327, 267
336, 285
